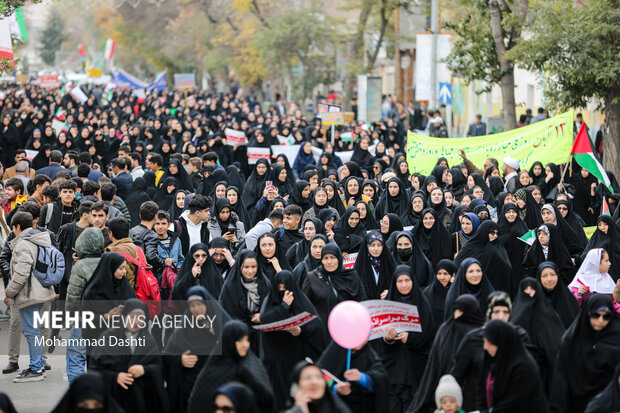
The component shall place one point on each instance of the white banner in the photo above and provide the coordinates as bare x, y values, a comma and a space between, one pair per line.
286, 324
58, 126
385, 314
254, 154
79, 95
235, 137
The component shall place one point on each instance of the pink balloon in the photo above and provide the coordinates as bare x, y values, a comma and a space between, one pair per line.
349, 324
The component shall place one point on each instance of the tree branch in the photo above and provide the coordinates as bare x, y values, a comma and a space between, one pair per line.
258, 14
384, 23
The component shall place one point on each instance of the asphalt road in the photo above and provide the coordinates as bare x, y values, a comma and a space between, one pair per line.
41, 396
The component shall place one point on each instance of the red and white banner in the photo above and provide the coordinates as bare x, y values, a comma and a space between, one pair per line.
6, 43
349, 262
110, 46
286, 324
235, 137
254, 154
49, 81
385, 314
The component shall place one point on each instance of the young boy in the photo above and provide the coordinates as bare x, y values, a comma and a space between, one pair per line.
168, 248
448, 395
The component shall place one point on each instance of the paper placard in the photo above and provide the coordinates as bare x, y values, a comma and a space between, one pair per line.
49, 81
349, 262
30, 154
254, 154
286, 324
78, 94
289, 150
235, 137
58, 126
385, 314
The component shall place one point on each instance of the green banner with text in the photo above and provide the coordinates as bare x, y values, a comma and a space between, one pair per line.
546, 141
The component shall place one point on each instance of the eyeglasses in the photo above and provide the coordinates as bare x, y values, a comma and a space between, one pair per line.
495, 232
562, 209
596, 316
98, 134
196, 256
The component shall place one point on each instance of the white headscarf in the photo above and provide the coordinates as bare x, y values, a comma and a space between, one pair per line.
589, 275
549, 208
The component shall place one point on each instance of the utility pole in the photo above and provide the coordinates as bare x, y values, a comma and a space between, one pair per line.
434, 30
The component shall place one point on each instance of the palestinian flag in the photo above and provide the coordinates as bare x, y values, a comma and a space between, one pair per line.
584, 155
605, 207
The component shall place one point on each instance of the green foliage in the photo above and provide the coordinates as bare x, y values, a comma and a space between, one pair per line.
7, 7
578, 46
52, 37
473, 54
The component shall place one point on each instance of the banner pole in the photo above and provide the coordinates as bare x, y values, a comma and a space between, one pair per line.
567, 166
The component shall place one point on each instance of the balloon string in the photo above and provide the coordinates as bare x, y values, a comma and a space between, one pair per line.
348, 361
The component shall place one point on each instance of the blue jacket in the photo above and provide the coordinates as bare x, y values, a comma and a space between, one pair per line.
175, 252
123, 182
51, 170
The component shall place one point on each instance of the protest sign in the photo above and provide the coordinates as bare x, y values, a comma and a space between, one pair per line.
254, 154
289, 150
58, 126
286, 140
286, 324
49, 81
184, 80
30, 154
549, 140
235, 137
349, 262
385, 314
78, 94
332, 118
589, 231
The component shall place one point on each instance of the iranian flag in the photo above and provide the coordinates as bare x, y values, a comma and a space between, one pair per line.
60, 114
584, 155
6, 45
110, 45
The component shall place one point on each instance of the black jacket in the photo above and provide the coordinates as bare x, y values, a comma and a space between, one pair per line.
180, 227
56, 217
148, 241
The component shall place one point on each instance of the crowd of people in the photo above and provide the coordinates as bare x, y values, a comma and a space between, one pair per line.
134, 184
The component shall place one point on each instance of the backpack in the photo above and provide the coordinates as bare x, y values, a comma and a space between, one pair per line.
147, 287
50, 266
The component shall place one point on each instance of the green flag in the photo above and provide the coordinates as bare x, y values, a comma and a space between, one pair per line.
529, 237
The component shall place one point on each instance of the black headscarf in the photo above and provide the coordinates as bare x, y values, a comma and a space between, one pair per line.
455, 223
435, 242
537, 179
369, 221
284, 188
447, 340
296, 196
458, 183
163, 198
366, 267
184, 181
489, 198
412, 217
255, 185
210, 277
103, 285
345, 283
557, 253
234, 297
415, 258
531, 213
609, 399
240, 209
349, 239
587, 358
542, 324
461, 286
560, 298
516, 384
610, 242
437, 172
174, 211
327, 404
264, 266
436, 293
241, 396
86, 386
137, 197
509, 234
573, 242
395, 225
398, 204
336, 201
492, 255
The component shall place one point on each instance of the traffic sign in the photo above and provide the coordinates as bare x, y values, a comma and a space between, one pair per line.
445, 93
